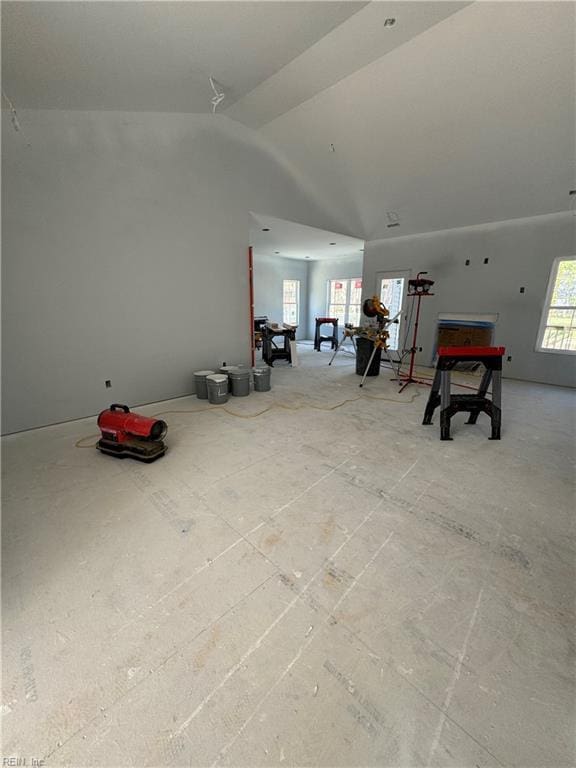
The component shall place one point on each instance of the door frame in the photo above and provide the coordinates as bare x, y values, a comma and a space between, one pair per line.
391, 274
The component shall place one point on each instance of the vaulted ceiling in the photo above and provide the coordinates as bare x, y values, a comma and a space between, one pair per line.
153, 56
472, 121
159, 55
427, 115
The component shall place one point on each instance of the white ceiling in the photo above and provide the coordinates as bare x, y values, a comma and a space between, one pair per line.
363, 38
153, 56
296, 241
456, 115
472, 121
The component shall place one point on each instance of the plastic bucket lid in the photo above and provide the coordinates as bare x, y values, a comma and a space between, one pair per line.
203, 374
217, 378
262, 371
241, 373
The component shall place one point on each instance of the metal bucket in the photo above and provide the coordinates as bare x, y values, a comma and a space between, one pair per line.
262, 379
226, 370
217, 388
200, 384
240, 380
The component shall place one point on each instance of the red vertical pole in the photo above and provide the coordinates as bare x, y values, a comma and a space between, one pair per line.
251, 284
413, 353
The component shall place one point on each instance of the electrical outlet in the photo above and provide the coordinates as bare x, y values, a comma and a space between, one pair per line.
467, 262
522, 289
486, 261
509, 358
108, 383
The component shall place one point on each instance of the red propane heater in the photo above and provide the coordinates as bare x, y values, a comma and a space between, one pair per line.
129, 434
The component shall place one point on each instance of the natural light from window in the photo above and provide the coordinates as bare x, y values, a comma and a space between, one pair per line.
344, 300
558, 325
290, 301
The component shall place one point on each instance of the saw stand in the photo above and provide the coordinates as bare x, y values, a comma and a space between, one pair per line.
417, 289
349, 333
379, 342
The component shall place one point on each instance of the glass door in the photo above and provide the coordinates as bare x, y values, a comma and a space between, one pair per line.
392, 288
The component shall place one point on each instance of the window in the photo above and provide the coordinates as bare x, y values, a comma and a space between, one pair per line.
291, 301
558, 324
345, 300
392, 292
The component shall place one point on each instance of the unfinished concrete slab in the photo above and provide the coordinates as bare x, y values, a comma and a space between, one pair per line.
326, 585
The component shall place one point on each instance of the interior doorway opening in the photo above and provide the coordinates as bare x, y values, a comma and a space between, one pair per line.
300, 273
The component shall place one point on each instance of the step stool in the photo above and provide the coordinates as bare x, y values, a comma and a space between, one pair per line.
448, 357
318, 338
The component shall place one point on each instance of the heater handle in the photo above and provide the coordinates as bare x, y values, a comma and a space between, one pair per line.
117, 406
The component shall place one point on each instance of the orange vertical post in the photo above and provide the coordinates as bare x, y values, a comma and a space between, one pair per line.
251, 285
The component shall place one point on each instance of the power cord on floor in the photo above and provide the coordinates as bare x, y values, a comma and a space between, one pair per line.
283, 406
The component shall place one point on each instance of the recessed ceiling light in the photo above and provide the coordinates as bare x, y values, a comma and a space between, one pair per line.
332, 243
265, 229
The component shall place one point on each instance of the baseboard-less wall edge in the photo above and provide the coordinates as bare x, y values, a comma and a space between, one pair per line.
540, 383
93, 415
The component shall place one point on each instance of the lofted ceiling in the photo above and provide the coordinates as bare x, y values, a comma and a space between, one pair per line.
277, 237
472, 121
455, 114
153, 56
376, 29
158, 55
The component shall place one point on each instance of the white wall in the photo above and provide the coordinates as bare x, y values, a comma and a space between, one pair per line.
520, 253
125, 241
269, 274
319, 274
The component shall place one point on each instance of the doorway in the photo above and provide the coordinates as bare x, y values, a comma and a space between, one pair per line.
392, 288
301, 273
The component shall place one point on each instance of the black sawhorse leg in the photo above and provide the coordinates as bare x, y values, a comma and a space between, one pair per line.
433, 399
440, 394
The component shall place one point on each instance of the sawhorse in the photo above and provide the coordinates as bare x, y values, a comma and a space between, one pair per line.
318, 338
448, 357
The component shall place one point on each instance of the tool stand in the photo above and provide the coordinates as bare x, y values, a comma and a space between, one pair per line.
348, 334
448, 357
333, 338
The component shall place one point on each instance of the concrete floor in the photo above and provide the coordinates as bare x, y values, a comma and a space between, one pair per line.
309, 587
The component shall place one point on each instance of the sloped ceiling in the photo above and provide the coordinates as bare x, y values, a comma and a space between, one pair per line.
153, 56
158, 55
471, 121
375, 30
456, 114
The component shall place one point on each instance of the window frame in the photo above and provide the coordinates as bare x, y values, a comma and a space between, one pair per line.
347, 304
291, 303
548, 306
